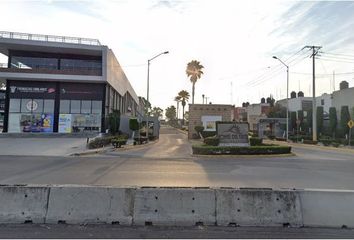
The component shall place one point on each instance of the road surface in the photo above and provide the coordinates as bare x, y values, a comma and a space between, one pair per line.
47, 231
169, 162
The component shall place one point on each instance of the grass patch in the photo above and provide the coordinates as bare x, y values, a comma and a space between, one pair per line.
229, 150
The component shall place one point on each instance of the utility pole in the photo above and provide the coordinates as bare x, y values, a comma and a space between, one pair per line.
315, 50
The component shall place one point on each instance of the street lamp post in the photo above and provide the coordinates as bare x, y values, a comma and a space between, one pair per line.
147, 91
287, 98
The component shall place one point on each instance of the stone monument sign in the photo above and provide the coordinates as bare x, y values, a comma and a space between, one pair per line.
232, 133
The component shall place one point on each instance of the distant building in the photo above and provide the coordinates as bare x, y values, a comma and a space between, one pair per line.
343, 97
207, 115
255, 112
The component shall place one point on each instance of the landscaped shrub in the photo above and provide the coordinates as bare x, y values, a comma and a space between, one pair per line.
326, 142
133, 124
212, 141
100, 142
253, 150
199, 129
254, 141
280, 139
206, 134
271, 137
119, 141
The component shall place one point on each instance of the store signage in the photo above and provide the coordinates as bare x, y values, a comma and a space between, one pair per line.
65, 123
232, 134
15, 89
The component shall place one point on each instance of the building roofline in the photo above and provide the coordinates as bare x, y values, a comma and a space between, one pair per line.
49, 38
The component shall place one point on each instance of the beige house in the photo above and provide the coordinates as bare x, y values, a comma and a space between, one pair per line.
207, 115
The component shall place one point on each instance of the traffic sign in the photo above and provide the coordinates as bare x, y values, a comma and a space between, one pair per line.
351, 123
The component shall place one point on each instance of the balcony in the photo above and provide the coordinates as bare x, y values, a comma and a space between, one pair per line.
50, 70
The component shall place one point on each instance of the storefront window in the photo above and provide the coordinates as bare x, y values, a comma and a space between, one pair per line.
37, 105
84, 116
26, 105
48, 106
97, 107
75, 106
85, 106
64, 106
31, 115
15, 105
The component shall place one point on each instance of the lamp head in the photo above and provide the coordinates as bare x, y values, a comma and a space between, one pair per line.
165, 52
275, 57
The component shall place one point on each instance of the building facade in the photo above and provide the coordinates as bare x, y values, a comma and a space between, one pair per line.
61, 84
207, 115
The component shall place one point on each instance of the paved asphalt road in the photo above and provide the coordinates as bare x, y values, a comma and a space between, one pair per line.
169, 162
112, 231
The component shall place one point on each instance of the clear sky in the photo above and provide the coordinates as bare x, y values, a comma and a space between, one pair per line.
234, 40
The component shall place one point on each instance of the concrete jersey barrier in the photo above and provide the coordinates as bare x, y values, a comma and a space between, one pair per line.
258, 207
90, 205
176, 206
20, 204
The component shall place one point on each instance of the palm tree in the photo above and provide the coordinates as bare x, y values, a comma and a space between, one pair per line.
184, 96
194, 72
177, 99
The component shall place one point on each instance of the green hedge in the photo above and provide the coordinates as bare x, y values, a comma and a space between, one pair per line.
212, 141
100, 142
206, 134
254, 141
253, 150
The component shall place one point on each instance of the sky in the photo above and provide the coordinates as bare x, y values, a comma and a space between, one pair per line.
233, 40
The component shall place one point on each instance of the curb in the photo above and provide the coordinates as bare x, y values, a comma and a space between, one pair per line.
246, 156
91, 152
133, 147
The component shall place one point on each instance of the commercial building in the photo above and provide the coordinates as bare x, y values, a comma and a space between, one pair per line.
61, 84
343, 97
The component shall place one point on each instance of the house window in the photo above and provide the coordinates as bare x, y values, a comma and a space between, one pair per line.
322, 102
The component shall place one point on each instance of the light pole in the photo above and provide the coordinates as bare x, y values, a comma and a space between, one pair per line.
287, 98
147, 91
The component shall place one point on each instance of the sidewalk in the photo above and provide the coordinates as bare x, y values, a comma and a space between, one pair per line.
339, 149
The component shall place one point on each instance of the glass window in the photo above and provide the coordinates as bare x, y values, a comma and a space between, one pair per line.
97, 107
26, 105
37, 105
75, 106
48, 106
15, 105
85, 106
64, 106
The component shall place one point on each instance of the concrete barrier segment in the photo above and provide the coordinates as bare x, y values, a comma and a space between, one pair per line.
23, 204
327, 208
175, 207
252, 207
75, 205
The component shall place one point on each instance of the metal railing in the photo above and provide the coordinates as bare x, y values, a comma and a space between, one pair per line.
49, 38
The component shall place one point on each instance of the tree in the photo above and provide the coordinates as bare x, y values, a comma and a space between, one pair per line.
178, 100
157, 112
319, 119
170, 113
146, 105
194, 72
184, 96
114, 122
344, 119
333, 121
